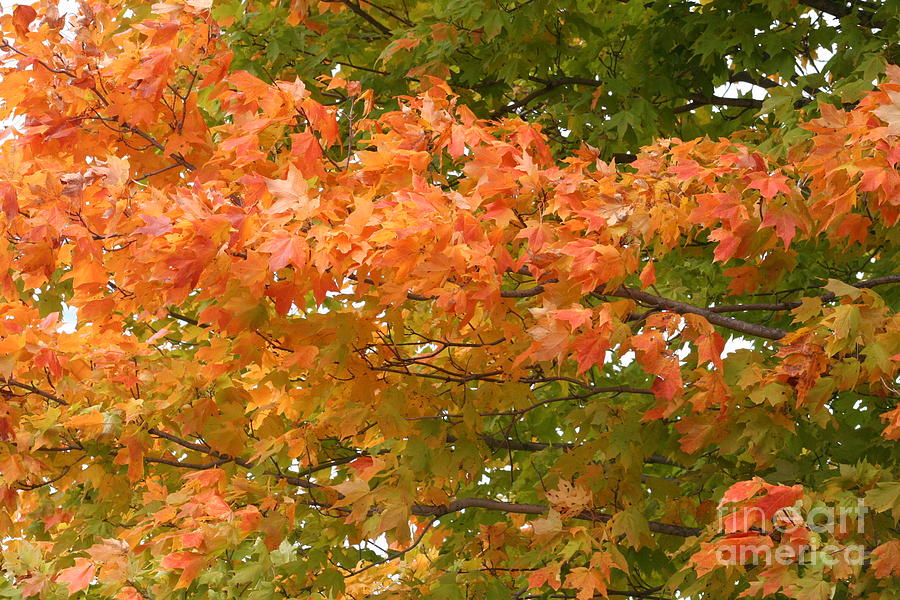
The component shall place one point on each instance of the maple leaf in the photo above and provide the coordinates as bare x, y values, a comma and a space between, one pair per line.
892, 429
33, 586
77, 578
886, 559
407, 43
784, 222
155, 225
770, 185
189, 563
633, 525
742, 490
648, 274
8, 200
23, 15
814, 590
57, 517
772, 579
351, 490
588, 582
547, 527
292, 195
743, 547
706, 559
548, 575
778, 497
890, 113
741, 520
285, 249
569, 499
729, 243
128, 593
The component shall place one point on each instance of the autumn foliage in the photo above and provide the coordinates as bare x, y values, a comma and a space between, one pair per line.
254, 344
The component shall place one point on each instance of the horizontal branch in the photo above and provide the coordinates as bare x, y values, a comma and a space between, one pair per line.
754, 329
712, 314
538, 509
186, 465
549, 86
34, 390
827, 297
696, 101
747, 77
495, 443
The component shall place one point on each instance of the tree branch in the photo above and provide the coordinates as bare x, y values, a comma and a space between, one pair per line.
37, 391
538, 509
186, 465
697, 101
510, 444
747, 77
827, 297
840, 10
396, 555
549, 86
763, 331
364, 15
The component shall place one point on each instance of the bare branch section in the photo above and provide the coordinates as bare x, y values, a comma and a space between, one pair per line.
754, 329
712, 313
696, 101
827, 297
538, 509
357, 9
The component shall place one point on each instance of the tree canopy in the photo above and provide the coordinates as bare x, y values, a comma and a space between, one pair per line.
456, 300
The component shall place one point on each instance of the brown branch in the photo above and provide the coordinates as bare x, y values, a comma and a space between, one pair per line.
416, 509
593, 391
549, 86
396, 555
865, 283
389, 13
763, 331
186, 319
186, 465
331, 61
510, 444
34, 486
747, 77
618, 389
364, 15
538, 509
827, 297
526, 293
157, 172
156, 144
696, 101
37, 391
4, 45
202, 448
